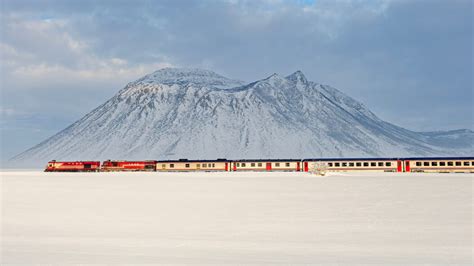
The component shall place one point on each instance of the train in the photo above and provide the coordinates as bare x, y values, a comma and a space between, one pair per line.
413, 164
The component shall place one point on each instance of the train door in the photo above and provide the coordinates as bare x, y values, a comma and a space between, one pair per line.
269, 166
407, 166
399, 166
226, 167
235, 166
298, 166
306, 166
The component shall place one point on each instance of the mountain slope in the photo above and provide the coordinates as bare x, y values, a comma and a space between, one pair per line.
192, 113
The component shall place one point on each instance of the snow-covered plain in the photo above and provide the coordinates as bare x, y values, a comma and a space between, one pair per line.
240, 218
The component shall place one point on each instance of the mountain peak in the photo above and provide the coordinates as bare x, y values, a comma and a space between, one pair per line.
297, 76
274, 75
274, 80
196, 76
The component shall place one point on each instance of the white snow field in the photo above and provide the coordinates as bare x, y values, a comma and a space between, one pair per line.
236, 218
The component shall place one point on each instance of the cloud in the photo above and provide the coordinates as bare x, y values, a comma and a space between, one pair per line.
46, 51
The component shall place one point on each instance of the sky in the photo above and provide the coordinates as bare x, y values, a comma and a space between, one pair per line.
409, 61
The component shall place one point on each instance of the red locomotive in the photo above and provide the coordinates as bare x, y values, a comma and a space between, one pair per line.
110, 166
79, 166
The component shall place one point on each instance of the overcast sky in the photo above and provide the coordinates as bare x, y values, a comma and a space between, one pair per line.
410, 62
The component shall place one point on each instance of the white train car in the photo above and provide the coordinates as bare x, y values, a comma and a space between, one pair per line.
267, 165
185, 165
355, 164
440, 164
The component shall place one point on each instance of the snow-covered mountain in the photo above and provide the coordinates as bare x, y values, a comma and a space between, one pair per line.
192, 113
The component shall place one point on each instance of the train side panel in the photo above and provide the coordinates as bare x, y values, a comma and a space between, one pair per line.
444, 165
170, 166
354, 165
110, 166
266, 165
77, 166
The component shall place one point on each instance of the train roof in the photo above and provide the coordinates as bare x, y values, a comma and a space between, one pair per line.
267, 160
439, 158
55, 161
351, 159
133, 161
192, 161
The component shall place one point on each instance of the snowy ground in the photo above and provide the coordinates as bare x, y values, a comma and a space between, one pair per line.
240, 218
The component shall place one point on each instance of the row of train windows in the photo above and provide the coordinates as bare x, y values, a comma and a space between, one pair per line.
359, 164
259, 164
465, 163
204, 165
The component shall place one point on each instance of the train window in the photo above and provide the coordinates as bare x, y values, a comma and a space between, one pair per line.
186, 165
330, 164
351, 164
337, 164
198, 165
373, 164
344, 164
434, 163
380, 164
466, 163
458, 163
252, 164
204, 165
450, 163
259, 164
426, 163
287, 164
442, 163
277, 164
243, 164
172, 165
366, 164
359, 164
388, 164
213, 165
163, 166
418, 163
